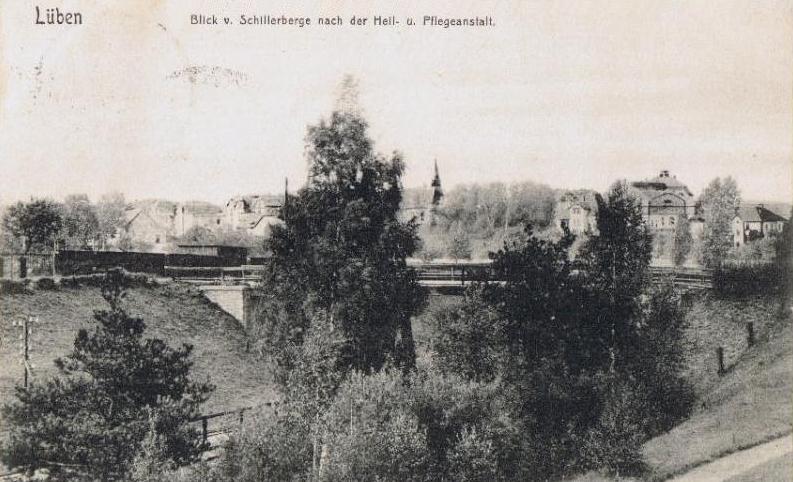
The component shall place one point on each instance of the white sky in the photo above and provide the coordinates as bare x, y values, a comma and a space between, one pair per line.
570, 93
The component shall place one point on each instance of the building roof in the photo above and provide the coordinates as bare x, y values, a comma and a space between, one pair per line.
131, 215
159, 206
201, 208
758, 214
250, 200
586, 198
660, 183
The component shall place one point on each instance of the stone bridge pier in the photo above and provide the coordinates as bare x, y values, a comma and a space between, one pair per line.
240, 301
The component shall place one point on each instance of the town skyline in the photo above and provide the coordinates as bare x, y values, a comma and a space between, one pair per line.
293, 188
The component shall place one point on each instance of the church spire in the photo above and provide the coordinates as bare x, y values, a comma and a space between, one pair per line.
437, 192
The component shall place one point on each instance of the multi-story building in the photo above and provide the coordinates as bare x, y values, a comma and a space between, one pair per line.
576, 210
664, 200
197, 214
255, 213
150, 222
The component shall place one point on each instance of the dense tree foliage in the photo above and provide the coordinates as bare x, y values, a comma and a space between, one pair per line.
75, 223
80, 222
683, 241
719, 201
615, 263
588, 350
110, 216
35, 224
342, 244
112, 389
487, 214
459, 243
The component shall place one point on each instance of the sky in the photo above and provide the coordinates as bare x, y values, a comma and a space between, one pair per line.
574, 94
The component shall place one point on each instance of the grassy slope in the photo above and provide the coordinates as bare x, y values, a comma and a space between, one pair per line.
176, 313
751, 403
748, 405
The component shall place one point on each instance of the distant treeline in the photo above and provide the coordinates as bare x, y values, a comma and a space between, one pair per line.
475, 218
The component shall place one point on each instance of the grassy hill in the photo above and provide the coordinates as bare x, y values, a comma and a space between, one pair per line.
176, 313
750, 403
747, 405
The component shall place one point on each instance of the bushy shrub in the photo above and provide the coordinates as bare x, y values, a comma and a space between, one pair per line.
465, 338
275, 446
46, 284
96, 280
750, 279
759, 251
459, 242
152, 460
453, 409
13, 287
472, 459
614, 443
370, 432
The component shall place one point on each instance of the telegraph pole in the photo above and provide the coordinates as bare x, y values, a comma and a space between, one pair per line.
25, 348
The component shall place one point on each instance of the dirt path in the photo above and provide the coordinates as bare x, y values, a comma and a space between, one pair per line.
739, 462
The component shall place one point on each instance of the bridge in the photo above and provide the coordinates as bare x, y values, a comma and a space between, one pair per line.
233, 288
446, 276
430, 274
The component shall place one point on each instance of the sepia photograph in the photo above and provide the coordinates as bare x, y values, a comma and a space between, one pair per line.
396, 240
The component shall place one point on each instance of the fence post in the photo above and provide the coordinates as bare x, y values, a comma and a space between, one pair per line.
720, 357
750, 333
204, 428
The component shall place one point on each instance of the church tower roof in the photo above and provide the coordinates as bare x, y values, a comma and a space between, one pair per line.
437, 191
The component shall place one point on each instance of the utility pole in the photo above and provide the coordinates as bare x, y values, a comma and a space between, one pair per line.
25, 348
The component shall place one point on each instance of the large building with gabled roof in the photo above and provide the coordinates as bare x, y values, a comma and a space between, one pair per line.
664, 199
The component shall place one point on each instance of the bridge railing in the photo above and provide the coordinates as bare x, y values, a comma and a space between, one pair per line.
447, 273
461, 273
252, 272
